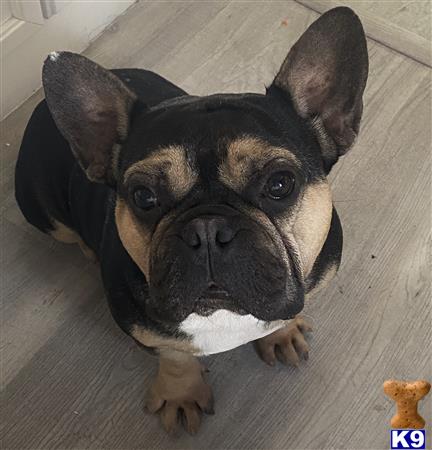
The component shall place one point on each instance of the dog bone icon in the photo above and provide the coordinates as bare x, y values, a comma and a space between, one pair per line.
407, 395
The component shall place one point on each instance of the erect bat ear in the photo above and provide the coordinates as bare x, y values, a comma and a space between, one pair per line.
91, 108
325, 75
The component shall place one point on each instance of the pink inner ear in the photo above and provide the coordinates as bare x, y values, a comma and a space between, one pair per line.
311, 86
325, 74
90, 105
316, 91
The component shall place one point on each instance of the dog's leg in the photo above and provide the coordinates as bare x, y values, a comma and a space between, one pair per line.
180, 392
64, 234
287, 344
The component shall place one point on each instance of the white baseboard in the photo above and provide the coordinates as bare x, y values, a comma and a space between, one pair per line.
24, 45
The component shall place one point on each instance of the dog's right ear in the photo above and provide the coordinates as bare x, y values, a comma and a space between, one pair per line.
91, 108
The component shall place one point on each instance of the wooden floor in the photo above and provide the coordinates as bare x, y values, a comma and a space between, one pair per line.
411, 15
71, 380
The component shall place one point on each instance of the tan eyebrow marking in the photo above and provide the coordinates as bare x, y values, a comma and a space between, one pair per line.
172, 161
246, 153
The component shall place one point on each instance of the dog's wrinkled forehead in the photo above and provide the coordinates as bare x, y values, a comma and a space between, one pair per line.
218, 139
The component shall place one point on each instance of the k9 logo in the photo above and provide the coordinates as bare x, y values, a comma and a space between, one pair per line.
407, 439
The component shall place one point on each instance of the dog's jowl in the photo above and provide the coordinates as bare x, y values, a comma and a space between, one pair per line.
211, 217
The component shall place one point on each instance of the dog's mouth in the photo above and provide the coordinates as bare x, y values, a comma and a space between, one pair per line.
214, 298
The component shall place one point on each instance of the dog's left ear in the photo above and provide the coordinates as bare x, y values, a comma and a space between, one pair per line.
325, 75
91, 108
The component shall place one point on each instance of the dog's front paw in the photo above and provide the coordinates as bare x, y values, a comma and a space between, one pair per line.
287, 344
180, 394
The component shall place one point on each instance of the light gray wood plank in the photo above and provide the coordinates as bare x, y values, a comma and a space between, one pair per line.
413, 16
384, 31
43, 282
75, 382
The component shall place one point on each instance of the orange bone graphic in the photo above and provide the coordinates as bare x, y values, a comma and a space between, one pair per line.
407, 395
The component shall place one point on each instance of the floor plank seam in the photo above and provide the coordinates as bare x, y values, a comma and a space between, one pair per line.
385, 33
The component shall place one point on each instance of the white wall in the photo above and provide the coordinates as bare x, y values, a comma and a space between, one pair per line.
24, 45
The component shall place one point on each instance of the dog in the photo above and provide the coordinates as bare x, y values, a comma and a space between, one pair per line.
211, 217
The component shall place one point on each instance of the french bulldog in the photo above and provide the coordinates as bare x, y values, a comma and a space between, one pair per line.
211, 217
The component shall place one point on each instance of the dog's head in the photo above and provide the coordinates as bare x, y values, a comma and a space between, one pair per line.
222, 201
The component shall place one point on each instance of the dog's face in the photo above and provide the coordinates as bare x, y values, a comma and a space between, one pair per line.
222, 201
217, 194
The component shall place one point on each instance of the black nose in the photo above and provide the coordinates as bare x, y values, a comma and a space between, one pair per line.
208, 232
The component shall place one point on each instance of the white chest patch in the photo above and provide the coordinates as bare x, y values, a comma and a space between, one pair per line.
224, 330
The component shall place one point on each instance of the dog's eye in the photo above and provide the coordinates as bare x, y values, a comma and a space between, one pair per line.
144, 198
279, 185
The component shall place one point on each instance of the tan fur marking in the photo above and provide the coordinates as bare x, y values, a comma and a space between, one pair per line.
88, 252
180, 386
323, 282
66, 235
312, 223
306, 228
151, 339
172, 162
286, 344
248, 153
135, 238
